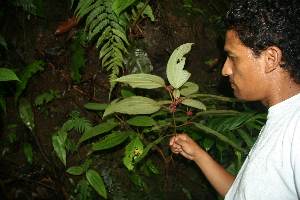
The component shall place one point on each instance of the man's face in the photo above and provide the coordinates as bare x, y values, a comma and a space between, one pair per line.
246, 72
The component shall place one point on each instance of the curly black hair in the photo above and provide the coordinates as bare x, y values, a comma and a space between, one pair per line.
260, 24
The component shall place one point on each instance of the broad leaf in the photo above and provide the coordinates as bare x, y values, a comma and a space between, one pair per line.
175, 73
120, 5
137, 159
194, 103
99, 129
26, 74
28, 152
35, 7
145, 81
71, 146
76, 170
189, 88
218, 112
247, 137
3, 42
96, 182
111, 140
126, 92
133, 150
59, 148
26, 113
8, 75
141, 121
96, 106
68, 125
133, 105
137, 61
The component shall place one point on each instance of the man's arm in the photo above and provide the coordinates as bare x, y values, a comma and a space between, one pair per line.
220, 179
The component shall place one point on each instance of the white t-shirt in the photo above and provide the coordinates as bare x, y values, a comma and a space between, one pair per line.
272, 168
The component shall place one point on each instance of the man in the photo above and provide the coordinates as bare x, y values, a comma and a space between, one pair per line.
263, 63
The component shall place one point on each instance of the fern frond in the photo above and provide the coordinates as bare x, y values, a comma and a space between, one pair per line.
117, 26
99, 27
81, 124
114, 75
108, 4
118, 54
105, 35
78, 59
113, 17
120, 34
121, 46
93, 15
107, 56
83, 8
115, 62
105, 49
124, 20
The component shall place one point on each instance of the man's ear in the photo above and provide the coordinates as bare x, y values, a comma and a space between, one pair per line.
273, 58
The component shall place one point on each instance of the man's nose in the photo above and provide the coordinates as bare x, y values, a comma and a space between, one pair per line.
226, 70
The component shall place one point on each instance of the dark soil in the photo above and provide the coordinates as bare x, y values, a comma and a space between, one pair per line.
32, 38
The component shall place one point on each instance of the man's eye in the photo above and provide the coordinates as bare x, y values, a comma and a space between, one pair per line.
230, 57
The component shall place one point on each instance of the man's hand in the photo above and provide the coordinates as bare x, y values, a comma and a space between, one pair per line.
186, 146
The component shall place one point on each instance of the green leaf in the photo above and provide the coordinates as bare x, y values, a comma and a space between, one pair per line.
68, 125
78, 59
39, 100
218, 112
120, 35
208, 143
137, 179
111, 140
76, 170
59, 148
247, 137
86, 165
137, 61
3, 103
133, 105
151, 166
208, 97
145, 81
175, 73
99, 129
71, 146
8, 75
194, 103
147, 11
26, 113
35, 7
96, 182
96, 106
189, 88
3, 42
141, 121
133, 150
229, 123
219, 136
28, 152
26, 74
84, 190
144, 153
126, 91
119, 5
62, 135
